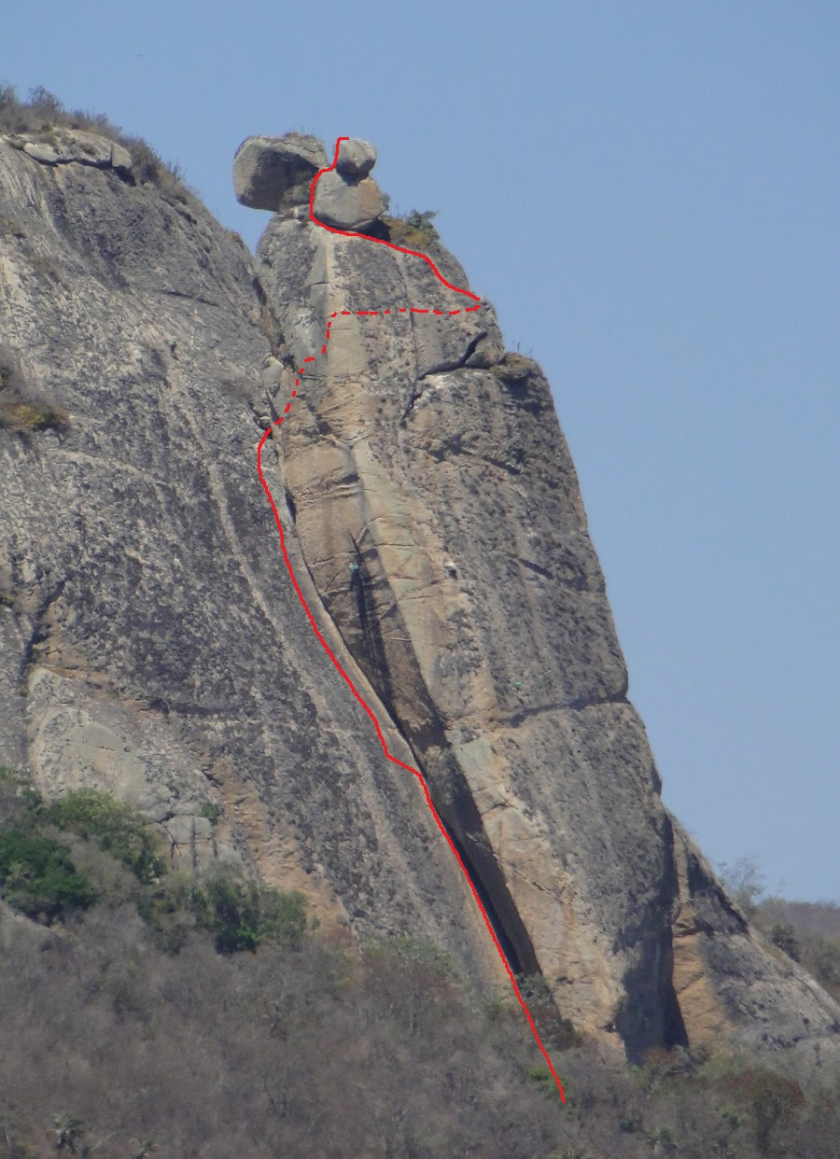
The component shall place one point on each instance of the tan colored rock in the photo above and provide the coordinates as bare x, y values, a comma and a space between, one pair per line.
151, 643
439, 514
120, 158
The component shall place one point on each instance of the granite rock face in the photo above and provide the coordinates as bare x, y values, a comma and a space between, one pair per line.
63, 146
151, 643
440, 517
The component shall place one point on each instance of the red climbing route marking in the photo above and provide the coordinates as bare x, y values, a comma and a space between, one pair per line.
277, 422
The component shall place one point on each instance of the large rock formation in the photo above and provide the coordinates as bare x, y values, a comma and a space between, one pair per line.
276, 172
440, 518
151, 642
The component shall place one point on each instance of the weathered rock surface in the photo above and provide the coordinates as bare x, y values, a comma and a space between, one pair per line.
276, 172
151, 643
356, 157
441, 522
347, 202
63, 146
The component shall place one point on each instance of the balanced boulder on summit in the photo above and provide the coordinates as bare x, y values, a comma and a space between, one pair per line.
276, 172
356, 157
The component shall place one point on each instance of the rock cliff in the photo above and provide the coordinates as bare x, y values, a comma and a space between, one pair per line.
152, 644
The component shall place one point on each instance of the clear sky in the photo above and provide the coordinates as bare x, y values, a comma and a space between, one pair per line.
649, 192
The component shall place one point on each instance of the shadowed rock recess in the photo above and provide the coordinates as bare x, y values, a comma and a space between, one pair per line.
151, 643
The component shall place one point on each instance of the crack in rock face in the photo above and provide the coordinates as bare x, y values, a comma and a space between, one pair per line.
439, 514
152, 645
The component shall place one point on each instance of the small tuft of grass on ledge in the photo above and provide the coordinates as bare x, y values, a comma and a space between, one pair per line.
514, 368
31, 417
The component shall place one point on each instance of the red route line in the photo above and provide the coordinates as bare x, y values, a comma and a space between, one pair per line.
306, 608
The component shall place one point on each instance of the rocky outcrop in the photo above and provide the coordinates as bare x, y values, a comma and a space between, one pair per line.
276, 172
355, 157
64, 146
440, 519
347, 202
151, 643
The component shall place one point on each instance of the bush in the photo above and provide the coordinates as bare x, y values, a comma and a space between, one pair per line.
821, 958
772, 1100
243, 914
44, 112
38, 877
414, 230
514, 369
20, 802
744, 881
213, 813
117, 828
21, 408
424, 953
555, 1031
783, 936
169, 908
28, 417
809, 932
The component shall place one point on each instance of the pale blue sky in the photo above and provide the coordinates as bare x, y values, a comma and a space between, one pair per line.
649, 192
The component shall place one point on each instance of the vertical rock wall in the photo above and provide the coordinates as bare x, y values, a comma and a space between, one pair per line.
441, 522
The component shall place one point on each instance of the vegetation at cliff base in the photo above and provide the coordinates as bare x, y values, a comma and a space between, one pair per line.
37, 876
117, 829
202, 1015
49, 867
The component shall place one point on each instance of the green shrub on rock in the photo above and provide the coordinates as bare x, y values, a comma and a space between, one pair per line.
20, 802
783, 935
242, 914
117, 828
413, 231
37, 876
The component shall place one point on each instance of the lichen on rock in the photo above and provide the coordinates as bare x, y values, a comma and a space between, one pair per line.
152, 645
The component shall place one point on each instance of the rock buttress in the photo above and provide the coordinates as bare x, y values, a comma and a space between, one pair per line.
441, 522
151, 643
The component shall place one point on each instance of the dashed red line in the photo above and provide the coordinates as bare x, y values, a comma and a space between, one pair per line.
277, 422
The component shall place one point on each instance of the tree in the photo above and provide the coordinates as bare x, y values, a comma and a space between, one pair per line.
783, 935
744, 882
68, 1131
772, 1099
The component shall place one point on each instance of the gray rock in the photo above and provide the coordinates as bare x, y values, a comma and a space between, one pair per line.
120, 158
151, 642
63, 146
356, 157
347, 204
276, 172
446, 493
